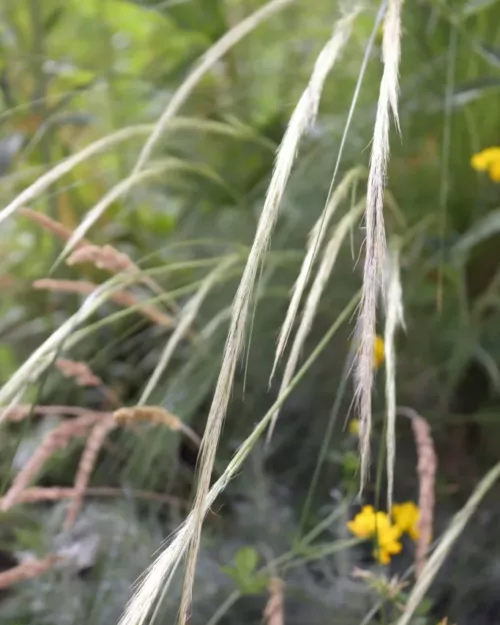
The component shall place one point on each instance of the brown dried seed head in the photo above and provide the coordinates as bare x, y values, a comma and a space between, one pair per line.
26, 570
152, 414
93, 446
274, 613
58, 438
80, 371
104, 257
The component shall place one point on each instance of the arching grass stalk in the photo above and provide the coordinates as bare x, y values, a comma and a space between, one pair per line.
330, 254
119, 190
300, 122
204, 65
394, 318
70, 333
187, 317
333, 200
47, 179
166, 563
315, 241
445, 545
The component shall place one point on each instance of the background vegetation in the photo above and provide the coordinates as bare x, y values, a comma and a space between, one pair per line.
72, 72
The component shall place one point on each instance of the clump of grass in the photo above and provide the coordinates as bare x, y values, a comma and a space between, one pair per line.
300, 122
161, 572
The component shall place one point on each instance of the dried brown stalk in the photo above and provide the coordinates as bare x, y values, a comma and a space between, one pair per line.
108, 258
26, 570
274, 613
122, 298
58, 438
51, 225
104, 257
426, 469
155, 414
57, 493
80, 371
18, 413
88, 460
84, 376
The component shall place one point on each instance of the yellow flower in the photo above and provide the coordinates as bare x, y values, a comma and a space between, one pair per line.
371, 524
406, 517
495, 171
354, 427
388, 544
364, 523
378, 351
488, 160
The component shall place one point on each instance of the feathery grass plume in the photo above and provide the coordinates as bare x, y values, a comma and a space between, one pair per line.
206, 62
186, 320
163, 568
58, 438
318, 233
302, 119
314, 243
93, 446
375, 254
330, 254
26, 570
448, 539
122, 298
155, 414
426, 469
57, 493
274, 612
394, 318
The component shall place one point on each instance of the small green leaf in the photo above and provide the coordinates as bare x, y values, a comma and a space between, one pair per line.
246, 560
